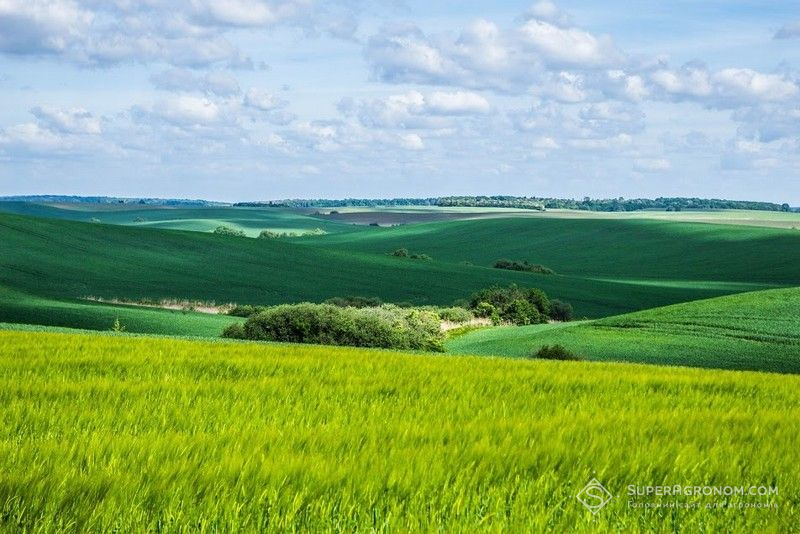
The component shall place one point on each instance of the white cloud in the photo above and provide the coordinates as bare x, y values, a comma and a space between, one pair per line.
415, 110
76, 120
749, 85
726, 88
411, 142
568, 46
263, 100
485, 56
545, 143
188, 33
547, 11
187, 110
457, 103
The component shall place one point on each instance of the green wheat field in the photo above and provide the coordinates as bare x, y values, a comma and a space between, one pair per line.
122, 434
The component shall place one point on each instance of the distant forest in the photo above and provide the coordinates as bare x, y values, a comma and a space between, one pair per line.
497, 201
533, 203
75, 199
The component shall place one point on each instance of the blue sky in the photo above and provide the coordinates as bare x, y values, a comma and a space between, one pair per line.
255, 99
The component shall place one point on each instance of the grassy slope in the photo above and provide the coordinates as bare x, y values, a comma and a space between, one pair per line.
16, 307
116, 433
200, 219
759, 330
65, 259
633, 250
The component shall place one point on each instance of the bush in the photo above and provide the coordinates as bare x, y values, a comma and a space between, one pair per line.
455, 315
521, 312
506, 302
269, 234
487, 311
523, 267
234, 331
400, 253
560, 311
385, 327
420, 257
355, 302
228, 231
556, 352
245, 310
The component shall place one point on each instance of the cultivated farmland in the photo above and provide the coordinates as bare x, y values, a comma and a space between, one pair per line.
117, 433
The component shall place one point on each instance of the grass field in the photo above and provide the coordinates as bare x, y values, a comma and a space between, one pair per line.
604, 269
16, 307
198, 219
622, 250
759, 330
132, 434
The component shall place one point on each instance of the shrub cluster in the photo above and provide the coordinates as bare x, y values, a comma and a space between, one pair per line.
228, 231
523, 266
560, 311
403, 253
556, 352
245, 310
385, 327
355, 302
455, 314
512, 304
269, 234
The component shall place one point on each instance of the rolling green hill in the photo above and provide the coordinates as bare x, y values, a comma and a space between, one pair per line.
197, 219
71, 260
633, 251
758, 331
120, 434
21, 308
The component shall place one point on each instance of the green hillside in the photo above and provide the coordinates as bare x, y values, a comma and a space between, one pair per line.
16, 307
68, 260
759, 331
635, 251
198, 219
121, 434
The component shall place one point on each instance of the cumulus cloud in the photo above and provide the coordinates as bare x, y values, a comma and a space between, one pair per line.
568, 46
726, 88
75, 120
264, 100
457, 103
192, 33
486, 56
415, 110
55, 132
549, 12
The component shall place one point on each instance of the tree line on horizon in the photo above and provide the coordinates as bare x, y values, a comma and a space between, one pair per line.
533, 203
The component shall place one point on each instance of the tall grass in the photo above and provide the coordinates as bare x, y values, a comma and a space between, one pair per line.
102, 433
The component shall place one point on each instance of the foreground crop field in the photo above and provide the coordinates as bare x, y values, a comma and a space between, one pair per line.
113, 432
755, 331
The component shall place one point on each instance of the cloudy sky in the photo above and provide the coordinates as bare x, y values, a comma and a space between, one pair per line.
263, 99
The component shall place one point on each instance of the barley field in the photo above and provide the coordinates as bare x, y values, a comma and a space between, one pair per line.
118, 433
